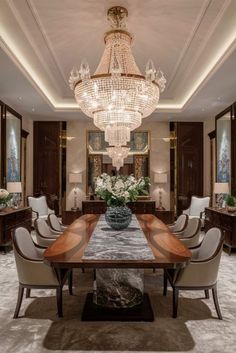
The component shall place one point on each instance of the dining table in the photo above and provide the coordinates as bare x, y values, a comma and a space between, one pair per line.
118, 260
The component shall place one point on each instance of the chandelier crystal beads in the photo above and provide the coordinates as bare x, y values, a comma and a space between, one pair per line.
117, 96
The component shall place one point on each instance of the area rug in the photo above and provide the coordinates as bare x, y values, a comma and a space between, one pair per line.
38, 330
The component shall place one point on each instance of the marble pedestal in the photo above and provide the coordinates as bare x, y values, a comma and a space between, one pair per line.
118, 288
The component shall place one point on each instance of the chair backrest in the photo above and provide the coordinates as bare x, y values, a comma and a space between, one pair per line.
38, 204
54, 222
42, 228
24, 245
181, 223
211, 245
193, 227
198, 205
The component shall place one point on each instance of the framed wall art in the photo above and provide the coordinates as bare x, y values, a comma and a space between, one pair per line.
10, 145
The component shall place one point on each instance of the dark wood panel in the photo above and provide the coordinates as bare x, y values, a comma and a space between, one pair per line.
165, 216
99, 206
46, 157
11, 219
189, 162
224, 220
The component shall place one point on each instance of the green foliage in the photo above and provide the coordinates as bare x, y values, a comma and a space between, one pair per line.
230, 201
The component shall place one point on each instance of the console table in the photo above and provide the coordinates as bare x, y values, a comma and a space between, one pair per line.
11, 219
224, 220
137, 207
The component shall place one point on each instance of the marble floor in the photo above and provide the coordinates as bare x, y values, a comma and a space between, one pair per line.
38, 330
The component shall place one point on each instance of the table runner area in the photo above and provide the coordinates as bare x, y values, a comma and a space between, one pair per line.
109, 244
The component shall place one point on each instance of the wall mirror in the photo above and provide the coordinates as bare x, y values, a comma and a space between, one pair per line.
98, 161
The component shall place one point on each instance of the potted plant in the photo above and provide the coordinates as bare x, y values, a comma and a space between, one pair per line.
231, 203
5, 197
117, 191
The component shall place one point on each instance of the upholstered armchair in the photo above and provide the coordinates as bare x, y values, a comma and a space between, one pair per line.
55, 224
190, 236
32, 272
44, 235
179, 225
202, 271
197, 207
39, 207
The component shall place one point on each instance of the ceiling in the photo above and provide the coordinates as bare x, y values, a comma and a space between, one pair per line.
193, 42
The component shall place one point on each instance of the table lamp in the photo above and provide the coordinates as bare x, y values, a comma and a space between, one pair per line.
160, 178
14, 187
75, 178
220, 189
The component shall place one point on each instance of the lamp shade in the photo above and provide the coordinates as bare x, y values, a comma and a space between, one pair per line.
75, 178
221, 188
160, 178
14, 187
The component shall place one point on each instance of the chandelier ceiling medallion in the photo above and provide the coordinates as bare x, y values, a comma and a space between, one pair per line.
117, 96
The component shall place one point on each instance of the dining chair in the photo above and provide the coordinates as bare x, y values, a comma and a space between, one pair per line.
197, 208
44, 235
32, 272
39, 207
202, 271
191, 235
55, 224
179, 225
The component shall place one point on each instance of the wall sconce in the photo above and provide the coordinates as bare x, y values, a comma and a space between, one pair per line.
75, 178
220, 189
15, 189
160, 178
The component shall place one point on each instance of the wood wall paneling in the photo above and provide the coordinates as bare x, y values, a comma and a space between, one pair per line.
189, 162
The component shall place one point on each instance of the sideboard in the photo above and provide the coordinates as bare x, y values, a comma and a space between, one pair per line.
226, 221
138, 207
11, 219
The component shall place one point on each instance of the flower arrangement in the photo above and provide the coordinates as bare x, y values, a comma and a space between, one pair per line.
118, 190
5, 197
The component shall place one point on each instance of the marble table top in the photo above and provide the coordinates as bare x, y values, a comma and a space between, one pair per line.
109, 244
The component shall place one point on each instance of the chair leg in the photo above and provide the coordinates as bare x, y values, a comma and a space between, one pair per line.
215, 297
164, 284
175, 302
207, 296
70, 282
59, 301
19, 301
27, 293
83, 270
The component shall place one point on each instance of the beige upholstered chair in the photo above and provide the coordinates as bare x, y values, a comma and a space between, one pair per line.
179, 225
55, 224
191, 235
39, 207
44, 235
202, 271
197, 207
31, 269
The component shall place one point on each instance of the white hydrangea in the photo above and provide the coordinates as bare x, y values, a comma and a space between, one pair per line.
3, 193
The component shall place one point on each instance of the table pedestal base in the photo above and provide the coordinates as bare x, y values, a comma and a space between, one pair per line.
118, 288
141, 312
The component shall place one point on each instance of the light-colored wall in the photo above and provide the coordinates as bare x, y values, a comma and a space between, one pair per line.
209, 125
76, 157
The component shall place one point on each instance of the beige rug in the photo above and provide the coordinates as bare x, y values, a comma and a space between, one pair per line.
195, 330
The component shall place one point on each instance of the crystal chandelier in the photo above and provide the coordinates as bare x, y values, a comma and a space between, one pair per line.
117, 96
118, 154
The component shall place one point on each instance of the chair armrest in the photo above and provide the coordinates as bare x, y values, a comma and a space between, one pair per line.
36, 214
187, 211
39, 246
50, 210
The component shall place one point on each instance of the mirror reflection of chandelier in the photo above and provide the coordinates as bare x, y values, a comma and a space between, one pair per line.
118, 154
117, 96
